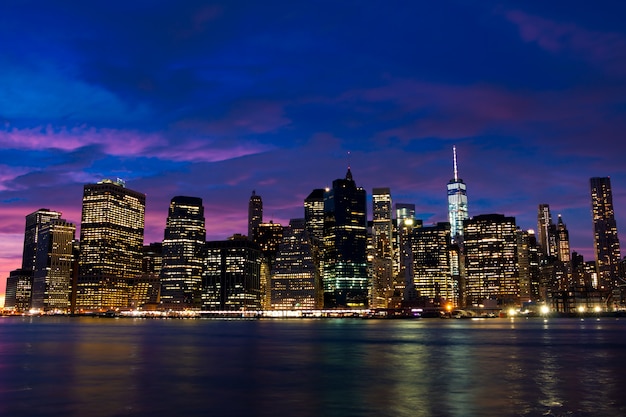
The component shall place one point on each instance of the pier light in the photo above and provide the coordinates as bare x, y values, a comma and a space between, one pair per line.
545, 309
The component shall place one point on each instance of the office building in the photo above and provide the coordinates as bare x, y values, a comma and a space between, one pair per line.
34, 222
111, 245
606, 241
268, 236
295, 279
255, 214
432, 275
382, 247
314, 214
345, 277
54, 263
544, 223
183, 246
491, 260
19, 290
231, 279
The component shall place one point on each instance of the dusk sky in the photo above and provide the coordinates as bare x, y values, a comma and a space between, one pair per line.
216, 99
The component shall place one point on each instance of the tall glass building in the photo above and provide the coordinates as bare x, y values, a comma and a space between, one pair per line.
606, 241
345, 277
183, 245
111, 244
34, 222
54, 266
457, 204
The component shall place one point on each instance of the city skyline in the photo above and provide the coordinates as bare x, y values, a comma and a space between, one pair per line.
217, 100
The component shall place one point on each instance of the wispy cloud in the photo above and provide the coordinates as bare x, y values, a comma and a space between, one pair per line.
605, 49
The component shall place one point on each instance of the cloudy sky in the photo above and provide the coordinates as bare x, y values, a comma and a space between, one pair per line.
216, 99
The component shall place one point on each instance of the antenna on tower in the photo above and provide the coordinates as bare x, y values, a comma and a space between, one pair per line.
456, 172
349, 164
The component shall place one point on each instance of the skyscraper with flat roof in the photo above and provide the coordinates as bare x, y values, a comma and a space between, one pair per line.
432, 276
294, 282
314, 214
54, 266
111, 244
382, 256
34, 222
491, 259
606, 241
183, 245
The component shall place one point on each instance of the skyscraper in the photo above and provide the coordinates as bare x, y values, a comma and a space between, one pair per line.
492, 271
382, 249
432, 277
314, 214
183, 245
53, 266
111, 244
231, 279
457, 204
544, 221
34, 222
294, 282
562, 241
345, 245
255, 214
606, 242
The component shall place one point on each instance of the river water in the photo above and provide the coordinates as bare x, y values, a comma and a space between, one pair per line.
64, 366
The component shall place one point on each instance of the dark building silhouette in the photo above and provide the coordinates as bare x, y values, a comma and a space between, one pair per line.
232, 276
255, 214
294, 282
345, 276
183, 246
19, 290
314, 214
34, 222
606, 242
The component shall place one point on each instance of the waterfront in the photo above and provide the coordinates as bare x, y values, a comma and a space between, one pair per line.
63, 366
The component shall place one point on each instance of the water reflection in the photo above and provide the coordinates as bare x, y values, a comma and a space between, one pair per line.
103, 367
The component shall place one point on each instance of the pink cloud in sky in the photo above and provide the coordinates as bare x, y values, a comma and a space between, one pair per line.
114, 142
602, 48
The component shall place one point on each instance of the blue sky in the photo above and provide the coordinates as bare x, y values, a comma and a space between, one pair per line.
216, 99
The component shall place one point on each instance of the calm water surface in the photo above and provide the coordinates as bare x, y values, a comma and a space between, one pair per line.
55, 366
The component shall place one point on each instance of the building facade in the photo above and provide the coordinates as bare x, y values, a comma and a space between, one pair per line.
345, 276
491, 260
111, 244
255, 214
432, 275
382, 249
295, 279
34, 222
231, 280
606, 241
54, 264
457, 205
183, 247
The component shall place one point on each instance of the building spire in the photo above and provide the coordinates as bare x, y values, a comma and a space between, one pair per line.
456, 172
349, 173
